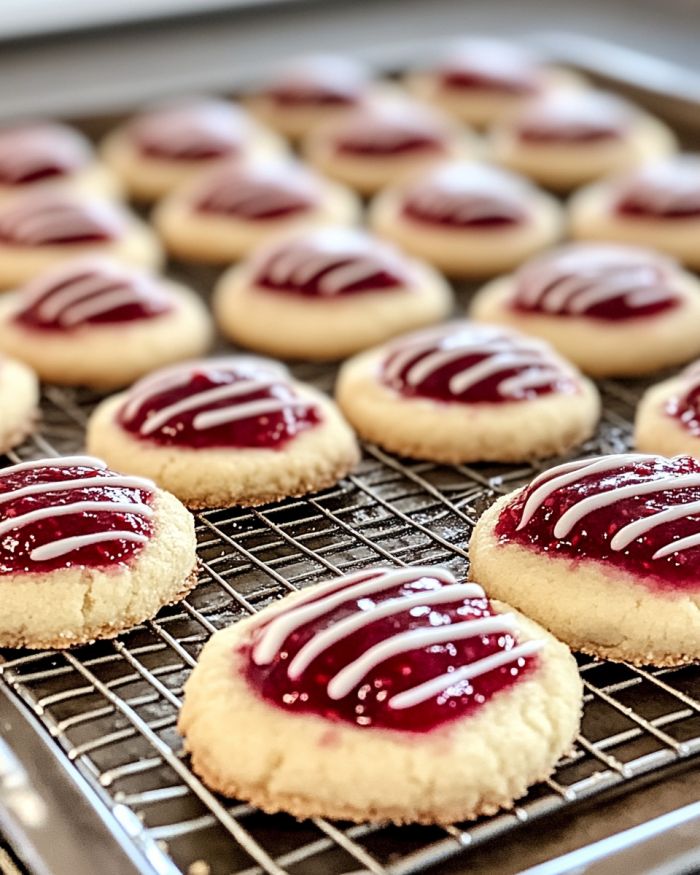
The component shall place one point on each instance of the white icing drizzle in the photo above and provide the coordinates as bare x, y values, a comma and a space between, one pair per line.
669, 185
388, 126
322, 74
58, 462
575, 113
63, 546
120, 482
252, 192
40, 220
35, 516
179, 128
496, 61
28, 149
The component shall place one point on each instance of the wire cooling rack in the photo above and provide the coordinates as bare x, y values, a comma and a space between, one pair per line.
112, 707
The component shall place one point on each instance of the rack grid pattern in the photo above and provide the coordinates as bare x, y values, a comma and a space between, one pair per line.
112, 707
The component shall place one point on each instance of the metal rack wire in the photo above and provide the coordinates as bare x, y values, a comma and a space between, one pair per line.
112, 707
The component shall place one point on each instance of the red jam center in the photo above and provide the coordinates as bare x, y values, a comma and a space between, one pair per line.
573, 117
668, 191
369, 702
90, 294
622, 491
331, 263
319, 82
469, 197
685, 406
491, 67
193, 132
51, 219
598, 282
217, 405
43, 529
474, 364
259, 194
390, 133
40, 152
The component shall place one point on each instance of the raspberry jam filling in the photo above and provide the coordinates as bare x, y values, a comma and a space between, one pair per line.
635, 512
668, 190
404, 649
320, 82
71, 512
468, 196
259, 193
596, 281
685, 405
330, 263
474, 364
90, 292
238, 403
490, 66
190, 132
34, 153
52, 219
391, 131
573, 117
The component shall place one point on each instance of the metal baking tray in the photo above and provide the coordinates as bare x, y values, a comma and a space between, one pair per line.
92, 771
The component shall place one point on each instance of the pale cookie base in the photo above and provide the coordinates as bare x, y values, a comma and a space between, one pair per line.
96, 180
453, 433
599, 347
593, 607
657, 432
147, 179
19, 402
292, 326
563, 167
311, 767
468, 252
74, 606
591, 217
138, 246
109, 356
196, 236
314, 460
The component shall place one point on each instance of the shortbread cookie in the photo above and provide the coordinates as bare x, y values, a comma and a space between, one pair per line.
307, 91
167, 145
467, 219
87, 553
19, 402
612, 310
326, 294
388, 694
94, 321
605, 553
656, 205
668, 416
384, 142
226, 213
40, 229
466, 392
48, 154
225, 431
482, 81
567, 138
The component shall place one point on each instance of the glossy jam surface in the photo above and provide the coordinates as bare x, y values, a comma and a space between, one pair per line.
573, 117
489, 65
667, 190
471, 363
53, 219
597, 281
234, 403
258, 193
319, 81
192, 131
358, 623
52, 517
40, 152
637, 513
330, 263
392, 130
468, 196
684, 405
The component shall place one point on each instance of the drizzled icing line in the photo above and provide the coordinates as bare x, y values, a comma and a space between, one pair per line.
257, 196
25, 152
37, 221
319, 601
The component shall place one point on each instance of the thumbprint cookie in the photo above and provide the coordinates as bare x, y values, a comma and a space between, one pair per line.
37, 155
225, 431
380, 144
668, 416
167, 145
468, 219
613, 310
326, 294
605, 553
97, 322
467, 392
567, 138
224, 214
40, 229
86, 552
304, 92
19, 402
655, 205
389, 694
